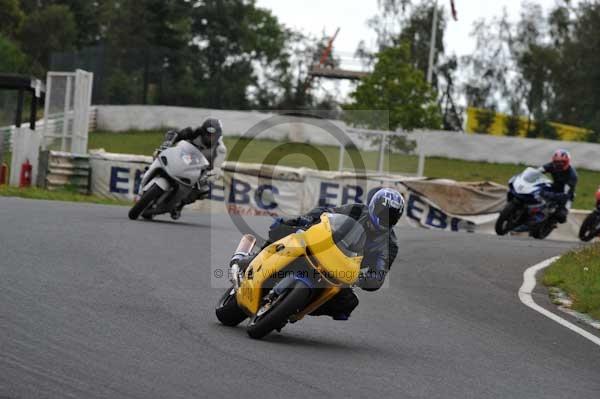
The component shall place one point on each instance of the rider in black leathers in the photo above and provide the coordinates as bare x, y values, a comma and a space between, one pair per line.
564, 184
208, 138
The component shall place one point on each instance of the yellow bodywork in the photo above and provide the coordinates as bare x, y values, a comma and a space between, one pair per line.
316, 244
499, 122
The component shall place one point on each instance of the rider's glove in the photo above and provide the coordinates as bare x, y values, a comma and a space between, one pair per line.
547, 195
276, 223
302, 221
170, 138
171, 135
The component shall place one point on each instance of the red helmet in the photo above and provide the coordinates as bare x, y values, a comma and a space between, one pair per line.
598, 196
561, 159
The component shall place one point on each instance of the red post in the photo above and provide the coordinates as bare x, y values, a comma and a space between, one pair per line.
25, 177
3, 173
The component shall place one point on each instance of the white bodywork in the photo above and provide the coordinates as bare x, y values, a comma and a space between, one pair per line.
529, 181
184, 164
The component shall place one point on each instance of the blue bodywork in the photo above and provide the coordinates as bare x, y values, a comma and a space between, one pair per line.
532, 201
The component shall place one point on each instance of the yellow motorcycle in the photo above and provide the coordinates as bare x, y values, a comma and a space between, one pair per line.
294, 276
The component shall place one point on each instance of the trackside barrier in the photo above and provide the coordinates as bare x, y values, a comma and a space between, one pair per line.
64, 170
7, 132
254, 189
454, 145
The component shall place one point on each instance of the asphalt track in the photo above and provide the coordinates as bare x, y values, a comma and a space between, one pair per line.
93, 305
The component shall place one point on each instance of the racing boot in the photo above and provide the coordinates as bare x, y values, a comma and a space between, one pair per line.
176, 213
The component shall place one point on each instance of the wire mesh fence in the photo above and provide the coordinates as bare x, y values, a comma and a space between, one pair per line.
8, 108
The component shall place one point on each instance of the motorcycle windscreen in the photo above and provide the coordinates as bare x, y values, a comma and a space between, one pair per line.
336, 244
533, 176
191, 156
348, 235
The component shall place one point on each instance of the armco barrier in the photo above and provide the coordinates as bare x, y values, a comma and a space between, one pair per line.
253, 189
61, 169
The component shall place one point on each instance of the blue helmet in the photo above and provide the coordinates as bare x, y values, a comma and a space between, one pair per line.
385, 208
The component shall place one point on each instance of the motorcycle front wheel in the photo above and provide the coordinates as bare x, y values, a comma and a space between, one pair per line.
543, 230
148, 198
228, 311
508, 218
588, 231
275, 315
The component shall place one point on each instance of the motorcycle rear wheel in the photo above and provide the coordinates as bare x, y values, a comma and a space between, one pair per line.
287, 304
148, 198
228, 311
588, 231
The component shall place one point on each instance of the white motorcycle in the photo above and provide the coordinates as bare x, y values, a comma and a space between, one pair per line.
169, 181
526, 207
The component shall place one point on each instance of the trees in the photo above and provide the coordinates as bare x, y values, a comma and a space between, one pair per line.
233, 39
410, 22
545, 66
211, 53
577, 75
416, 31
146, 48
396, 85
11, 18
46, 30
12, 60
233, 54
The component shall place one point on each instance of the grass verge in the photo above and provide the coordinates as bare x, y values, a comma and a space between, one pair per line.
57, 195
299, 154
578, 274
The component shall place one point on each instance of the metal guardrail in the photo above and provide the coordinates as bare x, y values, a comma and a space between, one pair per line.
64, 170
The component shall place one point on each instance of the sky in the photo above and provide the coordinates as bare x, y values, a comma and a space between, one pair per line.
316, 16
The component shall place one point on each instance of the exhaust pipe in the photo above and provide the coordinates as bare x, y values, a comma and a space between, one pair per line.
244, 249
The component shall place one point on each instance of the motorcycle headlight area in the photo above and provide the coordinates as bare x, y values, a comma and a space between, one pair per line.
190, 159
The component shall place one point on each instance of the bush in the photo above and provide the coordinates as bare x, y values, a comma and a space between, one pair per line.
512, 125
12, 60
485, 120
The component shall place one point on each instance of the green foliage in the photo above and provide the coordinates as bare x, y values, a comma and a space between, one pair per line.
233, 36
395, 85
122, 88
543, 129
46, 30
485, 120
512, 125
11, 17
416, 31
56, 195
578, 273
87, 17
213, 53
12, 60
545, 66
